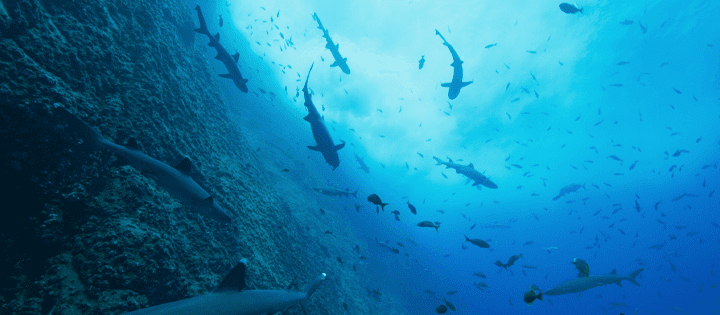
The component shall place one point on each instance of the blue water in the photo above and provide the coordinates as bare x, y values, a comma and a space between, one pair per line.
603, 87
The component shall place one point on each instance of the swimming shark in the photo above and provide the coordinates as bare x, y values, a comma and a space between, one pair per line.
332, 191
456, 84
324, 143
231, 298
387, 246
230, 62
363, 167
568, 189
334, 48
582, 283
469, 171
176, 180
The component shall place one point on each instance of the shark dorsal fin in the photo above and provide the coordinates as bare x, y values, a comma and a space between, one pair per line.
132, 144
235, 279
614, 272
471, 166
236, 56
217, 36
291, 283
184, 166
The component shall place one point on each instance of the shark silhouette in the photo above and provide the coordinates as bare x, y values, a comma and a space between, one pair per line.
324, 143
580, 284
231, 298
469, 171
456, 84
334, 48
332, 191
176, 180
230, 62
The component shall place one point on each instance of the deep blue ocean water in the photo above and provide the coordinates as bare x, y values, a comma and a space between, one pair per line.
622, 98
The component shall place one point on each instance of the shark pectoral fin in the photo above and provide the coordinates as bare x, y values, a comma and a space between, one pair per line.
132, 144
245, 80
314, 148
339, 146
306, 118
613, 272
445, 84
217, 36
184, 166
618, 283
466, 83
235, 279
334, 64
337, 46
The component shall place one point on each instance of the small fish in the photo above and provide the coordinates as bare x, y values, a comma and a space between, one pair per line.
569, 8
421, 62
626, 22
491, 45
622, 63
339, 260
441, 309
429, 224
375, 199
412, 208
532, 51
633, 165
323, 212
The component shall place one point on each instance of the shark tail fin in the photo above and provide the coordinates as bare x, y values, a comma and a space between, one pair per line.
203, 26
355, 193
87, 133
631, 277
581, 10
466, 83
382, 205
312, 286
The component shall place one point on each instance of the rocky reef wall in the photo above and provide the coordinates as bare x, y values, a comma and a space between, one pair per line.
85, 234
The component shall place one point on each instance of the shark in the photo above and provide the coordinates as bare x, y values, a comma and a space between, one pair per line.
582, 283
568, 189
469, 171
387, 246
323, 141
457, 83
232, 298
363, 167
334, 48
176, 180
332, 191
229, 61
